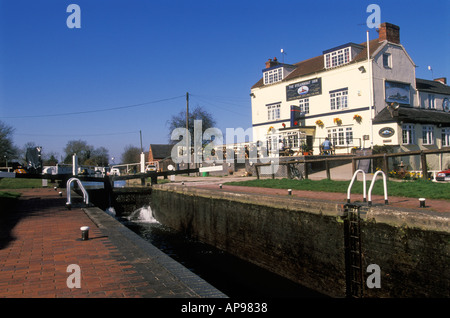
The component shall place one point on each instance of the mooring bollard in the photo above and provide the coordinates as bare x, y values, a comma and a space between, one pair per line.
84, 233
422, 202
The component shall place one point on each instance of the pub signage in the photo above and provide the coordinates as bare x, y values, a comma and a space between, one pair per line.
386, 132
304, 89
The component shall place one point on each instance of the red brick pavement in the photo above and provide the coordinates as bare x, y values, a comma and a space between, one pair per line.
46, 240
40, 238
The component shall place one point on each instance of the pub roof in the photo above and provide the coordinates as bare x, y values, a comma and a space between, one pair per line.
316, 64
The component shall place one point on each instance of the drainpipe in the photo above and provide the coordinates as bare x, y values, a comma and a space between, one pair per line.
370, 91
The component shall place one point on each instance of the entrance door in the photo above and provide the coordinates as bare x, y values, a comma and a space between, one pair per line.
309, 141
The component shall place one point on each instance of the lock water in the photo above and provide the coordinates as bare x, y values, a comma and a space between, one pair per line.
231, 275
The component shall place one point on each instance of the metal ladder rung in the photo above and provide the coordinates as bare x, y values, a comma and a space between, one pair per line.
353, 252
384, 186
83, 190
351, 184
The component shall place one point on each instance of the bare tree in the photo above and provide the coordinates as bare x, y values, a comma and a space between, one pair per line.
131, 154
179, 121
87, 154
79, 147
7, 148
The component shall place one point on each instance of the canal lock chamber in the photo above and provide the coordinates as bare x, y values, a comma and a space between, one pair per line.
307, 244
229, 273
309, 241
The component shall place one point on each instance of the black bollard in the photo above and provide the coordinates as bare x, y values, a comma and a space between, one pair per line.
84, 233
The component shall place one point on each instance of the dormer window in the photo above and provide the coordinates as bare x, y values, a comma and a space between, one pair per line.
337, 58
273, 75
341, 55
276, 71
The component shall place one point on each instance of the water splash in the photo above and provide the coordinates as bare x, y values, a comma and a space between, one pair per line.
144, 215
111, 211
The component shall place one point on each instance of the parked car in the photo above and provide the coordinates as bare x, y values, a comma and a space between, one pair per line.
114, 172
49, 170
443, 175
151, 167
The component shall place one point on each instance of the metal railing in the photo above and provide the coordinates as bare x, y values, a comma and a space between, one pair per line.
370, 188
385, 157
384, 185
85, 194
351, 184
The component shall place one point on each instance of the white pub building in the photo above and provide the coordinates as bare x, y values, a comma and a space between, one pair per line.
356, 98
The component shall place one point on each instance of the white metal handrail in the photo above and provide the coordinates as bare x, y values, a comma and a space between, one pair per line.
351, 184
384, 184
85, 194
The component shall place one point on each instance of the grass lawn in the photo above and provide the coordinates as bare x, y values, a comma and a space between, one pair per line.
13, 183
8, 195
9, 198
412, 189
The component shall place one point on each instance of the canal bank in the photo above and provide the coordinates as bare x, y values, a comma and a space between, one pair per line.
307, 240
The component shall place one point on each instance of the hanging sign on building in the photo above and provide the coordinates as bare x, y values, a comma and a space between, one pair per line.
304, 89
386, 132
397, 93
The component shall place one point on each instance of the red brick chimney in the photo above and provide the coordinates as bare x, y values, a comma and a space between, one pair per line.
442, 80
389, 32
271, 63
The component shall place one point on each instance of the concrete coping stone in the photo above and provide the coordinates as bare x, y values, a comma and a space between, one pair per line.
289, 203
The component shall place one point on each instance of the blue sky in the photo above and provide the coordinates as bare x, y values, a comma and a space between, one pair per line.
129, 66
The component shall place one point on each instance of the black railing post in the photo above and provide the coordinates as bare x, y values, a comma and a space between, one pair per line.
327, 167
423, 159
